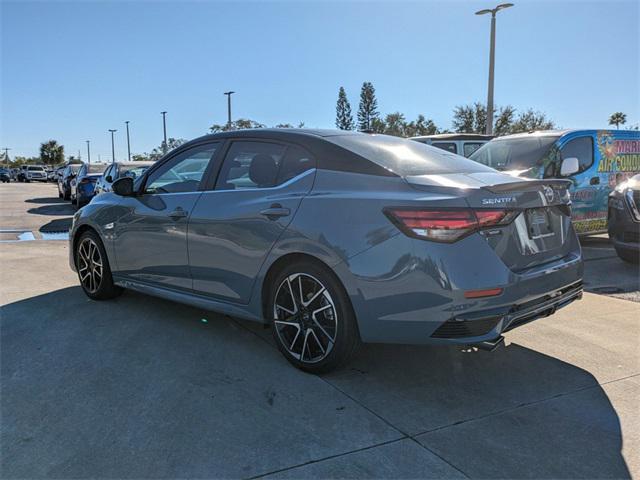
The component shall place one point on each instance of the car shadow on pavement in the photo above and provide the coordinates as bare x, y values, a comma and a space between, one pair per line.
45, 200
142, 387
57, 225
55, 209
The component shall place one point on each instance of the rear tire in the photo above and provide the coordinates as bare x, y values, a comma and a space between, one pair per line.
313, 322
93, 268
66, 195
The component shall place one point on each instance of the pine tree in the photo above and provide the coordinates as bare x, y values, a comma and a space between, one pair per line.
344, 118
368, 108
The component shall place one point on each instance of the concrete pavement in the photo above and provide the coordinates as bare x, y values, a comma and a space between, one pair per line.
141, 387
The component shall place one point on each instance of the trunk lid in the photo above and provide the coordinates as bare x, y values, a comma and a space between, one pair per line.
541, 230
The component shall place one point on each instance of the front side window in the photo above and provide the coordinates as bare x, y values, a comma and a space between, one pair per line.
580, 148
250, 165
182, 173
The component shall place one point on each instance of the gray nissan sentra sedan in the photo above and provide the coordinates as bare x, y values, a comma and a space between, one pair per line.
335, 238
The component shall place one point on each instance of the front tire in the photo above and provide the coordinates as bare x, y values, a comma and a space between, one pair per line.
93, 268
312, 319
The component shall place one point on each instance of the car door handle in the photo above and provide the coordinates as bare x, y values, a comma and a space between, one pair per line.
178, 213
275, 211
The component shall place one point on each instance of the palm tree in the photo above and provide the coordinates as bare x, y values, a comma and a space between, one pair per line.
51, 152
618, 119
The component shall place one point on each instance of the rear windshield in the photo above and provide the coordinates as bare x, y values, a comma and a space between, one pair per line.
96, 168
406, 157
520, 153
133, 171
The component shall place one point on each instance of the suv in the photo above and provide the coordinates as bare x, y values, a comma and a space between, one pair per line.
34, 173
460, 143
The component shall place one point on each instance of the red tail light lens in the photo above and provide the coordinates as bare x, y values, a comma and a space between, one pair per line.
446, 225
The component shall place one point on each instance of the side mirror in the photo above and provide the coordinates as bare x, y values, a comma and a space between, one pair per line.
123, 187
109, 178
569, 166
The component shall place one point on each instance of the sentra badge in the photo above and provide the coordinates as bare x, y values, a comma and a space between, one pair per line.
498, 200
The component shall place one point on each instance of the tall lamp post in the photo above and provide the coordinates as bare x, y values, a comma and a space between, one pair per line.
492, 55
6, 155
128, 143
113, 149
164, 129
88, 152
228, 94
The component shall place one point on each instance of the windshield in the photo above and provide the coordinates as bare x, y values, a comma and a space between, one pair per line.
406, 157
37, 169
521, 153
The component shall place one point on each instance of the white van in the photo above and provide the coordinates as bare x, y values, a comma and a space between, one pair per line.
460, 143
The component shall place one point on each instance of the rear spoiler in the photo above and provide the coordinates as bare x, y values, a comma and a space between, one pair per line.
527, 185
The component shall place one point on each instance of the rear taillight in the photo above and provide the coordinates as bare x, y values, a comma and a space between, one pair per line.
446, 225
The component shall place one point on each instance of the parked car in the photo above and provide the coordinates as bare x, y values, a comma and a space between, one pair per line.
461, 143
64, 180
5, 175
83, 184
334, 238
624, 219
595, 161
117, 170
35, 173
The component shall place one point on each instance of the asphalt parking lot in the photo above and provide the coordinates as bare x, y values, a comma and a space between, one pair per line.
141, 387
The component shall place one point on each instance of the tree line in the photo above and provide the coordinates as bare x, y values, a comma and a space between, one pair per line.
471, 118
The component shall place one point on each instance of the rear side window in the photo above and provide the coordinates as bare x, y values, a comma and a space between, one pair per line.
296, 161
448, 146
470, 147
250, 165
406, 157
580, 148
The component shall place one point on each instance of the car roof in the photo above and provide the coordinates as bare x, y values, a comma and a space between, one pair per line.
277, 134
454, 136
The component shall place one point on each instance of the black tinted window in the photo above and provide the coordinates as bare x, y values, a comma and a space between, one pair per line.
296, 161
580, 148
406, 157
250, 165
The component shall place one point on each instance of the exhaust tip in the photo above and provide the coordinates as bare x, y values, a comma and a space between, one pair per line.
489, 345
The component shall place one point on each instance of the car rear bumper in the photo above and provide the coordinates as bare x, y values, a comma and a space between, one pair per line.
403, 292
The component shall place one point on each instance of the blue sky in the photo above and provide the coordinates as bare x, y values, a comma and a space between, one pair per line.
72, 70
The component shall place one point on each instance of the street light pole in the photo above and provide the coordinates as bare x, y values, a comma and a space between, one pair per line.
128, 143
6, 156
228, 94
88, 152
164, 129
492, 57
113, 149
